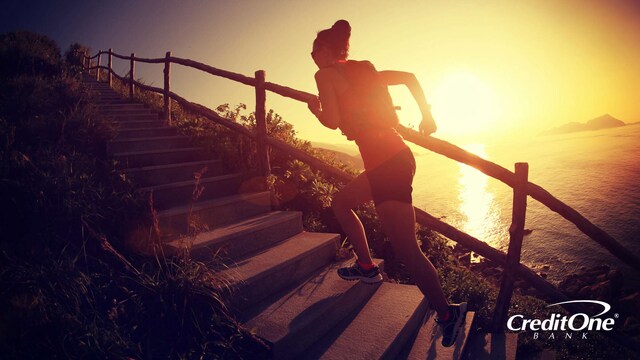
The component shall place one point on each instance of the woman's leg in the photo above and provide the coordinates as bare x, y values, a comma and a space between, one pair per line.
355, 193
398, 221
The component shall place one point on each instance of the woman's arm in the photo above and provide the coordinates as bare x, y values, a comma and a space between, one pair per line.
390, 77
326, 109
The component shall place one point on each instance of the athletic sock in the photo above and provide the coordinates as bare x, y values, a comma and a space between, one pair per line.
366, 266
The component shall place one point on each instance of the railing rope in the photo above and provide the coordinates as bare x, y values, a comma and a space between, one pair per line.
516, 234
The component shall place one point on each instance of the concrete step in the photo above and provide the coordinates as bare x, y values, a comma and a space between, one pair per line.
428, 343
278, 268
148, 116
162, 174
110, 101
139, 124
138, 159
125, 109
379, 330
146, 132
492, 346
147, 144
237, 240
108, 97
100, 86
305, 314
129, 106
181, 193
102, 91
212, 213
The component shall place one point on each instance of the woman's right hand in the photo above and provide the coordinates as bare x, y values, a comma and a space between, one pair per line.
314, 106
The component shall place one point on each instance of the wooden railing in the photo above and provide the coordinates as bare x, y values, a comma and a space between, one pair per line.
517, 180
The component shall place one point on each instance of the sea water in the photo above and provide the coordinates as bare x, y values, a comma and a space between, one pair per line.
597, 173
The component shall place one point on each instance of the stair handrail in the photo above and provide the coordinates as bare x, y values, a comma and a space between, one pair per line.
509, 261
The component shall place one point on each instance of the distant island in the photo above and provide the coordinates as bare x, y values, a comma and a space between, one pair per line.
602, 122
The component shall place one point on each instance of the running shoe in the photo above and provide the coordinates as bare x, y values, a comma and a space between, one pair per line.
457, 314
355, 272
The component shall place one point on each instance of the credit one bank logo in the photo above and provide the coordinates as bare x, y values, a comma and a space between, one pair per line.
579, 322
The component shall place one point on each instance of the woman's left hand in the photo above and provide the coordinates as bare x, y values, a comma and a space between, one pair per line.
428, 125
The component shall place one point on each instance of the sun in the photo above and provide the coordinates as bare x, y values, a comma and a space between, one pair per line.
462, 103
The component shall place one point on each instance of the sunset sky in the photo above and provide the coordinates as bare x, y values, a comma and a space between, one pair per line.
489, 68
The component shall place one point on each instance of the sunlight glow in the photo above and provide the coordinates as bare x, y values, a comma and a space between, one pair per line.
477, 204
462, 103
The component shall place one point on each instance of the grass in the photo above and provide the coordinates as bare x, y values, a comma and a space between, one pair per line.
68, 290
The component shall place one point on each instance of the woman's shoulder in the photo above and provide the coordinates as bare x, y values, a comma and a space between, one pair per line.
329, 73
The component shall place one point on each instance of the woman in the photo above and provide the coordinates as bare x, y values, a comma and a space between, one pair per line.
346, 89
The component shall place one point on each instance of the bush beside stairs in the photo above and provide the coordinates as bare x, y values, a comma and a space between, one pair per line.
284, 281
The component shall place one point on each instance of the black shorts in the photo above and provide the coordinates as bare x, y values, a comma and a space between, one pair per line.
392, 179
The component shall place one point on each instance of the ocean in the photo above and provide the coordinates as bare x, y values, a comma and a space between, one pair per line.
595, 172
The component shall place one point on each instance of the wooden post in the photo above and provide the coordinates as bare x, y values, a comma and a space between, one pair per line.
516, 233
110, 67
167, 99
131, 72
98, 68
261, 125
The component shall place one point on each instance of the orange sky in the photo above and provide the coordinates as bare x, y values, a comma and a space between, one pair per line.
488, 67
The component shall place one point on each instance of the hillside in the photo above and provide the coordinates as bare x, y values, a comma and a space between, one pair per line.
602, 122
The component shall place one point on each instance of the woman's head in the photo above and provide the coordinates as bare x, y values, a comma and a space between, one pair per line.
332, 44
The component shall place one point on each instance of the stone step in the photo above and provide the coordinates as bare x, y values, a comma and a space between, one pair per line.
110, 101
428, 342
159, 157
125, 117
492, 346
109, 96
162, 174
146, 132
212, 213
124, 108
181, 193
278, 267
99, 93
239, 239
305, 314
139, 124
147, 144
100, 89
129, 106
120, 112
379, 330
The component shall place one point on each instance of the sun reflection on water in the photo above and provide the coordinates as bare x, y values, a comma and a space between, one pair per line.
477, 203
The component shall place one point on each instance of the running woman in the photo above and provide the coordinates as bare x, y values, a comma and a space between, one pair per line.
354, 98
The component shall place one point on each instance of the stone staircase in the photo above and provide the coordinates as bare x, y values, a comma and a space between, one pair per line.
285, 286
